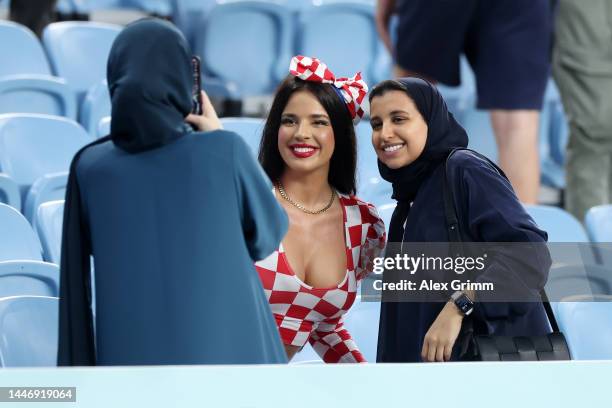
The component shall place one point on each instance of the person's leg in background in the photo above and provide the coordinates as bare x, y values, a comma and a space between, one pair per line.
582, 68
516, 134
508, 46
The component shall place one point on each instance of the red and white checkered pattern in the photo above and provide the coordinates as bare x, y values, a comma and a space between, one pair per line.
353, 89
304, 313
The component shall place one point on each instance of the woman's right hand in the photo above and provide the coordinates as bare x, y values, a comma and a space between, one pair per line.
208, 120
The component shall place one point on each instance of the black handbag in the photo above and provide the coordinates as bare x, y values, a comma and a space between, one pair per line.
475, 347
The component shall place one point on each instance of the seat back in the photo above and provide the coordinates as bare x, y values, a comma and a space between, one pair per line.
49, 228
17, 239
79, 51
28, 278
250, 129
29, 327
23, 53
587, 327
331, 32
260, 37
104, 127
32, 146
362, 322
598, 223
95, 107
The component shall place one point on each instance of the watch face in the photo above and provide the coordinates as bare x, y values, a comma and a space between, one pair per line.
464, 304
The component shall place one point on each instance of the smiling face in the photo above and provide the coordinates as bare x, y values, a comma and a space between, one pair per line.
399, 131
305, 136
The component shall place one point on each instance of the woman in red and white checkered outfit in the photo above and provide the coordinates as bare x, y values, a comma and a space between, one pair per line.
308, 150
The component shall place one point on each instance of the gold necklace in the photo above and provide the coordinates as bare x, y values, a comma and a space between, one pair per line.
283, 194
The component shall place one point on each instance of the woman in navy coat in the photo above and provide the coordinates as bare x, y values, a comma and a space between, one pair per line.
413, 135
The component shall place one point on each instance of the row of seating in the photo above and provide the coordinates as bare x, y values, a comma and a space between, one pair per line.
29, 276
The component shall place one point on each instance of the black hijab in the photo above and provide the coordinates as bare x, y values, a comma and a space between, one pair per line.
443, 135
149, 76
150, 80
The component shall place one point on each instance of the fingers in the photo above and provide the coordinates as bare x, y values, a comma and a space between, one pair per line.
193, 119
448, 351
436, 350
207, 107
431, 353
425, 350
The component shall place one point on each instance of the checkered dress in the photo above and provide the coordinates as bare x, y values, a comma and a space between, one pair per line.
304, 313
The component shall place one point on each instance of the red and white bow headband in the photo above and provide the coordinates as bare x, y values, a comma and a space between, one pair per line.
353, 90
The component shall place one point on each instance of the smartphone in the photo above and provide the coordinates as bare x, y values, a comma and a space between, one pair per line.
196, 92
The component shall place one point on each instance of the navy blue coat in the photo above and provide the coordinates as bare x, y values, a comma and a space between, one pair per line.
488, 211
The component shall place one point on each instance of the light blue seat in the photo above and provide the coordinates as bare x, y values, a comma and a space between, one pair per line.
343, 35
26, 84
9, 191
29, 327
587, 327
36, 146
598, 222
156, 7
28, 278
95, 106
458, 98
560, 225
362, 323
17, 239
104, 127
385, 211
370, 186
78, 52
188, 16
250, 129
259, 36
49, 229
567, 281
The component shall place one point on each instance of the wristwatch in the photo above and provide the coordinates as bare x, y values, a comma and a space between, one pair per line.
463, 302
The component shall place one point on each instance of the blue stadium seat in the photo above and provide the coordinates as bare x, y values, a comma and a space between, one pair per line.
188, 16
26, 84
323, 33
156, 7
259, 35
17, 239
9, 192
78, 52
598, 222
385, 211
587, 327
28, 278
95, 106
29, 327
370, 186
49, 222
560, 225
37, 145
250, 129
568, 281
103, 127
362, 322
48, 187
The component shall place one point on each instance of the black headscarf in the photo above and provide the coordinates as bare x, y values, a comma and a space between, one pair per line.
150, 80
443, 135
149, 76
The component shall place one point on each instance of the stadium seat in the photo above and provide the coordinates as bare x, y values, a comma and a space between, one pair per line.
37, 145
565, 281
78, 52
188, 16
253, 67
28, 278
48, 187
17, 239
49, 229
95, 106
26, 84
362, 322
249, 129
9, 192
29, 327
323, 33
598, 223
154, 7
385, 211
587, 326
560, 225
370, 186
103, 127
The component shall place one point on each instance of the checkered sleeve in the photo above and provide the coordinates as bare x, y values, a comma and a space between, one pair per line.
374, 243
334, 344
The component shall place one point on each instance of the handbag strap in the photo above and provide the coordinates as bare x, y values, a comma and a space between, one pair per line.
454, 231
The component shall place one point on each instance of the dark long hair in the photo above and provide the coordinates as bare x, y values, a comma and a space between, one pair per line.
344, 159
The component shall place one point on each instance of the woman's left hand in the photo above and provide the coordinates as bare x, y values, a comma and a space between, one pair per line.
441, 336
208, 120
